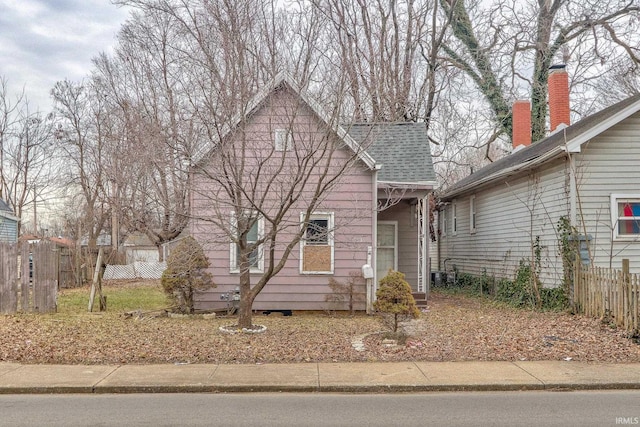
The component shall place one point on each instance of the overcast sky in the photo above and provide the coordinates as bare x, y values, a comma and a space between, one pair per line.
44, 41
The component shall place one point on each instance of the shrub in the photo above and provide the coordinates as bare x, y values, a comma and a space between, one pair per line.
351, 292
518, 292
394, 298
185, 274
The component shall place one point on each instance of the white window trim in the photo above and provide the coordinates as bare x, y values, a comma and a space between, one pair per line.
454, 218
445, 212
233, 260
615, 199
279, 136
473, 221
330, 241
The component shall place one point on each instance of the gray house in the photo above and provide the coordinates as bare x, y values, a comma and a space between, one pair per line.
8, 224
587, 173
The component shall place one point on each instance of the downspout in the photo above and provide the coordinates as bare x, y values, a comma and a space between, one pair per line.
372, 283
426, 268
573, 190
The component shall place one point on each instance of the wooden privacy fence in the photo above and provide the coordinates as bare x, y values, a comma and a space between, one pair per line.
28, 277
608, 293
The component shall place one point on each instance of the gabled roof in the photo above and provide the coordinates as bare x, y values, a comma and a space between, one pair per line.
4, 206
569, 139
61, 241
402, 149
137, 239
283, 79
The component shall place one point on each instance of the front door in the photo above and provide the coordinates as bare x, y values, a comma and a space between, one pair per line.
387, 248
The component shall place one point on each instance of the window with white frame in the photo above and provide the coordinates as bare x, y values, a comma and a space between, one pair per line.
283, 140
443, 213
472, 214
454, 218
255, 258
625, 216
316, 246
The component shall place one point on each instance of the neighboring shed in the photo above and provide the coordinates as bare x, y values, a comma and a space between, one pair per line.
139, 248
8, 223
104, 240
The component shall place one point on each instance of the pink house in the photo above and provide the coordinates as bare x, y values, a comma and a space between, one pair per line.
318, 200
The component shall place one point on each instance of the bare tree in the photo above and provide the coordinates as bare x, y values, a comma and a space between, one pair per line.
622, 81
389, 52
230, 52
497, 44
81, 139
254, 190
27, 162
144, 83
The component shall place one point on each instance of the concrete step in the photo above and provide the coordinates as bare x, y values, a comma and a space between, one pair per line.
421, 298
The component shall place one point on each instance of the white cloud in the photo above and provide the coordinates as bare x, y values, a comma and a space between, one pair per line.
44, 41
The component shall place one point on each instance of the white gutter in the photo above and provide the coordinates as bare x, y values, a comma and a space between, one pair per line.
419, 185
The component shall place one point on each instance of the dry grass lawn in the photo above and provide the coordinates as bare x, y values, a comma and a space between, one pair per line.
453, 328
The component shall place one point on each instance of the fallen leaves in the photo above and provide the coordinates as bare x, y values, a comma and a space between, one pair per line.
453, 328
463, 328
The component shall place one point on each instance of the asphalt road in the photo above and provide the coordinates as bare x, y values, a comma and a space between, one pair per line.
541, 408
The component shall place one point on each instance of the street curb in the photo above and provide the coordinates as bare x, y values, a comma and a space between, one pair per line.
380, 389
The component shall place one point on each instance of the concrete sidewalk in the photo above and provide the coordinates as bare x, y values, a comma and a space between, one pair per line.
318, 377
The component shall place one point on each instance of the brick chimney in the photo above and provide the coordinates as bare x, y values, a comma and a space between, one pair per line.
521, 116
559, 112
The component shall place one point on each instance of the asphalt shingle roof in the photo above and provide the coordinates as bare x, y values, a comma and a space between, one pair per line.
401, 148
539, 148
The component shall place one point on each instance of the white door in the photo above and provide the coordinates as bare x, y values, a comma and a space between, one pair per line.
387, 248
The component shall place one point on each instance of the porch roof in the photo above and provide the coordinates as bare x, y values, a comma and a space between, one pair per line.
401, 148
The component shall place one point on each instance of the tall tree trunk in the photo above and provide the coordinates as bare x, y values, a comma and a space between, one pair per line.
543, 59
246, 295
245, 312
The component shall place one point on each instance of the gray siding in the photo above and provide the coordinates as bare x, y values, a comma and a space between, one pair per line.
8, 230
407, 240
609, 164
509, 218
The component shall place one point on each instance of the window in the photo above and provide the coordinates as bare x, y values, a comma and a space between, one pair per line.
386, 248
283, 140
444, 214
256, 262
625, 216
472, 214
316, 247
454, 218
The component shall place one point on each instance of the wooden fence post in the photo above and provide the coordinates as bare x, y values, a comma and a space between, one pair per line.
626, 282
8, 278
575, 291
95, 285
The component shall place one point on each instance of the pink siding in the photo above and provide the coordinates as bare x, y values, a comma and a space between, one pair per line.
350, 201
